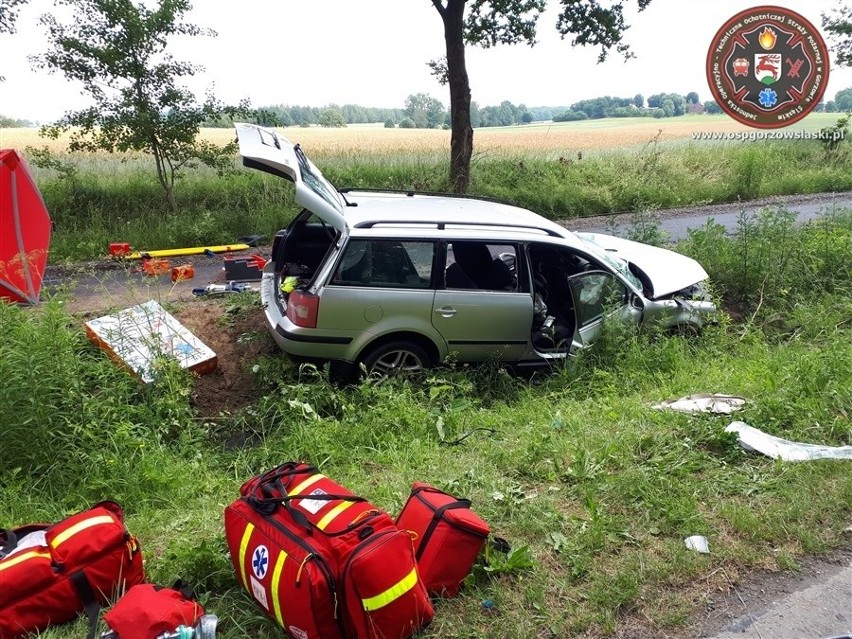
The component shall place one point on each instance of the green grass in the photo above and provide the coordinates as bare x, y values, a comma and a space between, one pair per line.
104, 200
579, 469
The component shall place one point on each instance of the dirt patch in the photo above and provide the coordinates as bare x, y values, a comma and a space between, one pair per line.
237, 340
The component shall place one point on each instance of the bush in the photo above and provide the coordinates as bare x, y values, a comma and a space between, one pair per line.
406, 123
570, 116
390, 124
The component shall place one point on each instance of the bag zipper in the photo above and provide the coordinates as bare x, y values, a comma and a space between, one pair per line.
353, 555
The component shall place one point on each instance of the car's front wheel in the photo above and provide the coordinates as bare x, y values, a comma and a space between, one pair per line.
396, 358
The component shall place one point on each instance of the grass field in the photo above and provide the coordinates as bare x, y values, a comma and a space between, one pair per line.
565, 138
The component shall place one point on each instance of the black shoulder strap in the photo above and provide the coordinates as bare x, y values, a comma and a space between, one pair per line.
436, 519
8, 542
90, 602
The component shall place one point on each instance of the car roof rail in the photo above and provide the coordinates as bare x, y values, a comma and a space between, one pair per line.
442, 225
413, 192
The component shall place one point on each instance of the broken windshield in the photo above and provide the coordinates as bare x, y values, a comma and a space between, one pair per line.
616, 263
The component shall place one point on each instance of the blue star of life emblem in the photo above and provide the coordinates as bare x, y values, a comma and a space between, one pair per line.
260, 561
768, 98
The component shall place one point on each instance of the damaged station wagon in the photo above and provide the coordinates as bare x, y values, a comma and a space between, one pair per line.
400, 281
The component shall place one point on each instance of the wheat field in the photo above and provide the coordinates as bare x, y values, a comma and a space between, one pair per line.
566, 138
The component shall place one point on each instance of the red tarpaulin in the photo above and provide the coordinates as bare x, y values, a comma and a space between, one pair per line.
24, 231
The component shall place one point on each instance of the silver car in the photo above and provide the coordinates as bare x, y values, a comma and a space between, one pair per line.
399, 281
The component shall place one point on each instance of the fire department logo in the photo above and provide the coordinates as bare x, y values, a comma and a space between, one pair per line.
767, 67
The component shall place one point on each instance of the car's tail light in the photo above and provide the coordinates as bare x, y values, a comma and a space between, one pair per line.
303, 308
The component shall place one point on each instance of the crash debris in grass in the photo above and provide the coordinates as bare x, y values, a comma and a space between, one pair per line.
138, 336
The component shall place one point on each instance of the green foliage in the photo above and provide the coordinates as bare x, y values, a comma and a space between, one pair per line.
425, 111
12, 123
833, 136
838, 25
843, 100
332, 118
771, 266
9, 14
594, 490
407, 123
138, 106
390, 124
712, 107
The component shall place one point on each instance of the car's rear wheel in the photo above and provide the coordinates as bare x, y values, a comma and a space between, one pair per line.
396, 358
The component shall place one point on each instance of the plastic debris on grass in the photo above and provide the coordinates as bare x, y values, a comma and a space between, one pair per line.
698, 543
704, 403
755, 440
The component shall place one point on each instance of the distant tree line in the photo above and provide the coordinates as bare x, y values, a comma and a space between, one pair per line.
294, 115
423, 111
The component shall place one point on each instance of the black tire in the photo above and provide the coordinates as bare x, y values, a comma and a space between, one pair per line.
395, 358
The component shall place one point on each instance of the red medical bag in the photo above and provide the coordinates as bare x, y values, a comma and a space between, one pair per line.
323, 562
447, 534
49, 574
147, 611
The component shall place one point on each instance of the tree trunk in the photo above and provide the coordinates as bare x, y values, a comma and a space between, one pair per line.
461, 145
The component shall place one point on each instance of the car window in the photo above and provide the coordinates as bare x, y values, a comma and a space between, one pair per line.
481, 266
385, 263
594, 294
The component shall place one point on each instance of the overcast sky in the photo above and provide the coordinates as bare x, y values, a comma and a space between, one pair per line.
374, 53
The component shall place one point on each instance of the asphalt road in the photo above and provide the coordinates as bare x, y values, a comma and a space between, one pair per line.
677, 222
820, 609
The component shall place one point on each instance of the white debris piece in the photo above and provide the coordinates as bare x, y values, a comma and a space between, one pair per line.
756, 440
698, 543
137, 336
704, 403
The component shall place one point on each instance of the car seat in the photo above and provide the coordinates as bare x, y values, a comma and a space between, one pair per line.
474, 268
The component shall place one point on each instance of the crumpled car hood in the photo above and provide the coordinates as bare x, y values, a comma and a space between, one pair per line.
667, 271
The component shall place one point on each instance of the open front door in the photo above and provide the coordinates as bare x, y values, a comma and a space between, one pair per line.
598, 295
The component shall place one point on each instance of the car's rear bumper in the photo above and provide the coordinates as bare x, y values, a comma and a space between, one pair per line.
296, 340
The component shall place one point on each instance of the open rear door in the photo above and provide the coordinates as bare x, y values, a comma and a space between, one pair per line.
267, 150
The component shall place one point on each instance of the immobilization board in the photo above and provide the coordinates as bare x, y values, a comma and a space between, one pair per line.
137, 336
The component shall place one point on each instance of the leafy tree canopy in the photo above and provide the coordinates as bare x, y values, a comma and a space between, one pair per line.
838, 24
487, 23
843, 100
332, 118
117, 51
9, 14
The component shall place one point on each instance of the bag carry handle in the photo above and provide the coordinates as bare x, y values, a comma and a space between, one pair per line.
432, 489
436, 519
289, 469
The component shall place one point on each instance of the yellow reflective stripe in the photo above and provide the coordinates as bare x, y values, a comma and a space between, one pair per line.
276, 577
65, 535
334, 512
308, 482
391, 594
243, 546
14, 561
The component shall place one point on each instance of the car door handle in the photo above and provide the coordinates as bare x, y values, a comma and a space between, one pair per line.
446, 311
